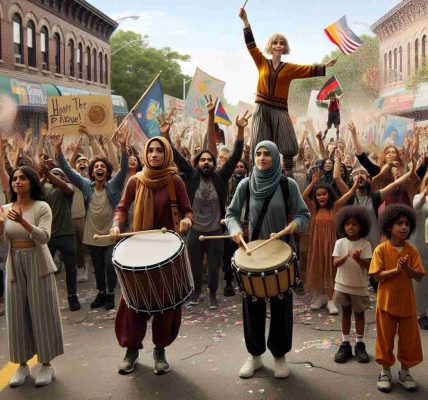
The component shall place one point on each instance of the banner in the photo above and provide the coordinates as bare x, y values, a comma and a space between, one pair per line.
66, 113
394, 130
201, 86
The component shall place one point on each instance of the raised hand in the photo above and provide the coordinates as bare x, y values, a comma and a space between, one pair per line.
243, 122
331, 62
42, 168
315, 176
56, 139
211, 105
164, 125
122, 137
352, 128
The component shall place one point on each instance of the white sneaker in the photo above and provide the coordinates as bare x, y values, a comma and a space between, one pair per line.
331, 307
406, 380
281, 368
45, 375
319, 303
21, 374
82, 274
384, 382
250, 366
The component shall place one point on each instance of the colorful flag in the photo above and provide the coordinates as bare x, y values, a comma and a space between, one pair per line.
331, 85
342, 36
148, 108
221, 116
136, 136
202, 85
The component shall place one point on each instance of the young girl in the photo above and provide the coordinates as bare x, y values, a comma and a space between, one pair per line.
394, 264
352, 256
320, 274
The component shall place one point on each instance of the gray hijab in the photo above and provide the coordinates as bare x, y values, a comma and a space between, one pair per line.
264, 183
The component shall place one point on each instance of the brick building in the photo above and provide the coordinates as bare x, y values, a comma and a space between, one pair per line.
53, 47
403, 33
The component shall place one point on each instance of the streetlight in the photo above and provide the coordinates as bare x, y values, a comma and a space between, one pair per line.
184, 87
128, 16
126, 45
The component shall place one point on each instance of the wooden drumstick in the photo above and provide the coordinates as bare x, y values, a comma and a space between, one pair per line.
247, 249
126, 234
276, 236
222, 222
202, 237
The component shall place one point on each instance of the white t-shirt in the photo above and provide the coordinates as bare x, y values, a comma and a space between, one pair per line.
350, 277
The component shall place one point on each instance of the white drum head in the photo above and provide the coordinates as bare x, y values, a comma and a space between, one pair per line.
147, 249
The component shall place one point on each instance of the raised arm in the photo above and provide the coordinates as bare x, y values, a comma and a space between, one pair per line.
323, 150
4, 176
210, 134
118, 181
337, 175
346, 197
308, 191
111, 153
255, 53
53, 179
402, 180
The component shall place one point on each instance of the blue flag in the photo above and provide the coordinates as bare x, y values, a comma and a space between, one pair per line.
151, 105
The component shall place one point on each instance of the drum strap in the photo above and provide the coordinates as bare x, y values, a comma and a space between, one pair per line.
256, 231
173, 204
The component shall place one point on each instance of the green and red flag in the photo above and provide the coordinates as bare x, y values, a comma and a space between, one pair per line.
331, 85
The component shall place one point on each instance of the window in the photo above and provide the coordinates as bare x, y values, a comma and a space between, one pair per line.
390, 67
80, 61
416, 54
88, 64
71, 56
31, 44
395, 65
385, 68
106, 69
408, 59
18, 39
95, 64
400, 51
44, 48
57, 41
101, 68
424, 49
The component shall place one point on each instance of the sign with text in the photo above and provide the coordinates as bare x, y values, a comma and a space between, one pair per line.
66, 113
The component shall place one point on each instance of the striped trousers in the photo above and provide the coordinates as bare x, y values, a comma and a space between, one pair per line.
32, 311
274, 124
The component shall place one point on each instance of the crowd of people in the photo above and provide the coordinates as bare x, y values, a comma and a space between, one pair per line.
356, 221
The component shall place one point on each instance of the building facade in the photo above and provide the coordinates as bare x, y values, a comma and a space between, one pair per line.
53, 47
403, 34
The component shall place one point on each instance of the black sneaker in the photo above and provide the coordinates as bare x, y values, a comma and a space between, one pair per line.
423, 322
161, 365
361, 353
194, 298
73, 302
109, 301
213, 302
99, 300
344, 353
228, 291
128, 364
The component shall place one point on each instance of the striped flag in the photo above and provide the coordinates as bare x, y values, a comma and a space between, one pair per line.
342, 36
331, 85
221, 116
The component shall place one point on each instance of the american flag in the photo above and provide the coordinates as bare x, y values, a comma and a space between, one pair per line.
342, 36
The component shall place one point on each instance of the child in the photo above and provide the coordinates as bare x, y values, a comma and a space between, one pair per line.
352, 256
320, 275
394, 264
333, 114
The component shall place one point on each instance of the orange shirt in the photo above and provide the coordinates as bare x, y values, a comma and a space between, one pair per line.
274, 84
395, 295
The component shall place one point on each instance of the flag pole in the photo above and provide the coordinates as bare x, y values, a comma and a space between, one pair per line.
137, 103
246, 1
339, 56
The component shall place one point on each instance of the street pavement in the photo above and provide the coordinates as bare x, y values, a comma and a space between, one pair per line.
205, 359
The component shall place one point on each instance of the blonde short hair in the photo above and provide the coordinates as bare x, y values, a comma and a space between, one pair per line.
276, 36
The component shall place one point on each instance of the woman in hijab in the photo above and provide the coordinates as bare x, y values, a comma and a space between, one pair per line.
151, 189
265, 185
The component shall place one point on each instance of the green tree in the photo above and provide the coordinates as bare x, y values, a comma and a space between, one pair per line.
134, 66
357, 73
418, 77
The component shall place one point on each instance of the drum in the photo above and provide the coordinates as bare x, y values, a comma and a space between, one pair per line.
153, 271
268, 272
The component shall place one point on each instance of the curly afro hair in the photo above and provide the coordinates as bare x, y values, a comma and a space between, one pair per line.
359, 214
392, 214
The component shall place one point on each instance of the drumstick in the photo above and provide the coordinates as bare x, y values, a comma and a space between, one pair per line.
222, 222
276, 236
163, 230
245, 245
202, 237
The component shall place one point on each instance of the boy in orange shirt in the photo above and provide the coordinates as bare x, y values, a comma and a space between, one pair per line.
394, 264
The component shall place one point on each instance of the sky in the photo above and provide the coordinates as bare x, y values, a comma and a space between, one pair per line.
210, 31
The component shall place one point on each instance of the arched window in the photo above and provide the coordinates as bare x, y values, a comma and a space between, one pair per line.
57, 41
44, 48
94, 56
390, 67
395, 65
18, 39
408, 58
88, 64
101, 67
385, 68
71, 56
106, 69
416, 54
80, 61
424, 49
400, 51
31, 44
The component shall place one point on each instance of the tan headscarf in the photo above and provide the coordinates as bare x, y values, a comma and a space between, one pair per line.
148, 180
